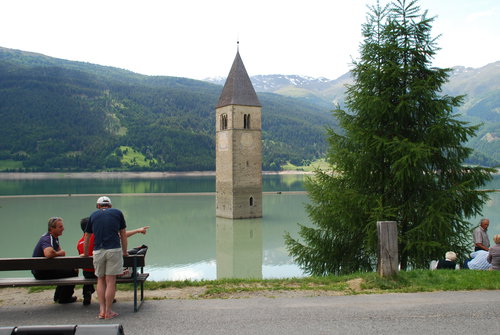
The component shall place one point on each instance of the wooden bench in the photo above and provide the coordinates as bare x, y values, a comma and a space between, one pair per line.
135, 263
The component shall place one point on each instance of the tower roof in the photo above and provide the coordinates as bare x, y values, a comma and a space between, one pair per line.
238, 89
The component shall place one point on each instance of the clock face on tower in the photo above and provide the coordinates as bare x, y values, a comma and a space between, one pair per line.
247, 141
223, 141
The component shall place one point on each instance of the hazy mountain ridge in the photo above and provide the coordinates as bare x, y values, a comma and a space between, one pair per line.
480, 87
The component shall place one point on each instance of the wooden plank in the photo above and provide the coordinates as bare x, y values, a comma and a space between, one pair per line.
56, 263
25, 282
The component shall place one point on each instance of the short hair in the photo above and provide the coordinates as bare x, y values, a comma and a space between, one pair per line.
496, 238
53, 222
83, 223
451, 256
482, 220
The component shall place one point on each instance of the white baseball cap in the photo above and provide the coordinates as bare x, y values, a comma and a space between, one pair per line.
104, 201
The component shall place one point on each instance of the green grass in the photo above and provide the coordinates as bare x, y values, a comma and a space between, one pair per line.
133, 157
319, 163
9, 164
370, 283
404, 282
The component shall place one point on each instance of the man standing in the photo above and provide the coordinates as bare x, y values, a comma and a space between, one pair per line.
110, 245
48, 246
480, 236
88, 289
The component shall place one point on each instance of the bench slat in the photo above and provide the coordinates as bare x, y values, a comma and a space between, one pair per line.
25, 282
57, 263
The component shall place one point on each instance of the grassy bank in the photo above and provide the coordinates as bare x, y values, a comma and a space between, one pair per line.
359, 283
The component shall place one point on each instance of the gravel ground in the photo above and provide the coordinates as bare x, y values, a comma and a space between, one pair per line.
19, 296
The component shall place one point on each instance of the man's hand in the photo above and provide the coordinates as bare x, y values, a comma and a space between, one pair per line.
143, 230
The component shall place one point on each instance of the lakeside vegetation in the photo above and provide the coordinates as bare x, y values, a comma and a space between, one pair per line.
355, 283
307, 166
370, 282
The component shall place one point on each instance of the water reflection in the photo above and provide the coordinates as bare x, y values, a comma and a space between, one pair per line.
178, 184
239, 248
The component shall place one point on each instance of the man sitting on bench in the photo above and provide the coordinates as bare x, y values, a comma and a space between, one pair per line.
48, 246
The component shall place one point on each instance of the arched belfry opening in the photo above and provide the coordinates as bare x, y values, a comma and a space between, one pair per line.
223, 122
238, 147
246, 121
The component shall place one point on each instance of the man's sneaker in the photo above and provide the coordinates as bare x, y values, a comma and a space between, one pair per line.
87, 298
69, 301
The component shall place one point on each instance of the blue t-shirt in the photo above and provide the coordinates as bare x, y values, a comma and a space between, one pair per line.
45, 241
105, 224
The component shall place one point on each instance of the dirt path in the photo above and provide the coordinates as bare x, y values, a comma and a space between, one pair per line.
19, 296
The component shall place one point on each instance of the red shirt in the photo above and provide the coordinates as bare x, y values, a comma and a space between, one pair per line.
79, 247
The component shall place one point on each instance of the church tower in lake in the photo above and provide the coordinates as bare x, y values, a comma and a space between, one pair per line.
238, 147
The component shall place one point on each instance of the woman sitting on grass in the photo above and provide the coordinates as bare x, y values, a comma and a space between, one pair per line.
494, 253
449, 262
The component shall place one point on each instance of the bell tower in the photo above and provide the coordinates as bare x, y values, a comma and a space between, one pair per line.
238, 147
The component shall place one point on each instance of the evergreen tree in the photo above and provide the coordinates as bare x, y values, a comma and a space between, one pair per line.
399, 158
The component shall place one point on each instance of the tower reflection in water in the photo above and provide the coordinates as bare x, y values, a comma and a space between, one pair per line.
239, 248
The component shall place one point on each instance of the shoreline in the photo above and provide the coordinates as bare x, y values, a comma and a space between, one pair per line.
119, 175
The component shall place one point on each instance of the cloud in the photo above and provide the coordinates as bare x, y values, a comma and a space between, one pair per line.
474, 17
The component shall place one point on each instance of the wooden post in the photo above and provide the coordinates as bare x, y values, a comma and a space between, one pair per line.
388, 258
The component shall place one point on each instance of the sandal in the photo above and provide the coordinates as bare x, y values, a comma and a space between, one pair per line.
112, 315
101, 316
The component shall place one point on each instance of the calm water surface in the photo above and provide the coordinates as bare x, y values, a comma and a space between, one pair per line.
185, 241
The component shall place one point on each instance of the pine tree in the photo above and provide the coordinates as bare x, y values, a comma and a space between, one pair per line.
399, 158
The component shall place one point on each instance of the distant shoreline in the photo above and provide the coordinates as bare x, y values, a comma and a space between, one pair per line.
132, 175
118, 175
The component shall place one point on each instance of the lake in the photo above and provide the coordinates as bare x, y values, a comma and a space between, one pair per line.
186, 240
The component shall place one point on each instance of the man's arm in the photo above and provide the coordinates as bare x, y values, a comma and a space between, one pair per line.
123, 238
142, 230
86, 242
482, 246
50, 252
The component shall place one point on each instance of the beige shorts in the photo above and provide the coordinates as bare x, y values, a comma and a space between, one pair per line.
108, 262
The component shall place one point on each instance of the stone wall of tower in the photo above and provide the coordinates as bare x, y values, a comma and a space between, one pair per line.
238, 163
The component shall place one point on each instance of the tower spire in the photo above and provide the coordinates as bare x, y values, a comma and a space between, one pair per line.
238, 89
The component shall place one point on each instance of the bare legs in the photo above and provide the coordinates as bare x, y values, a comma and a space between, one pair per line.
106, 289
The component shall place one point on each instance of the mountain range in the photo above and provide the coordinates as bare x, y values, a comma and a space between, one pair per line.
64, 115
480, 87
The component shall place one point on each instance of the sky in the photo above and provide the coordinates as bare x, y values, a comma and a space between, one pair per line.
198, 38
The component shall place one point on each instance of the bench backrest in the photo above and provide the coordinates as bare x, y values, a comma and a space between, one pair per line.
42, 263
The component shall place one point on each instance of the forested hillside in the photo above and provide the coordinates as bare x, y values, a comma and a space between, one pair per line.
62, 115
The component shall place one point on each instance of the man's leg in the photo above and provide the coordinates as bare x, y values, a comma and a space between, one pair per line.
101, 294
57, 293
66, 294
88, 289
63, 294
110, 294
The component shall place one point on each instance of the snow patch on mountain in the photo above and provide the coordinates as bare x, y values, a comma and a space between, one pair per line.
274, 82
